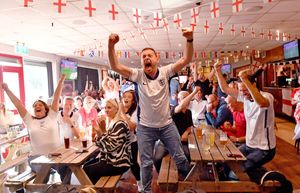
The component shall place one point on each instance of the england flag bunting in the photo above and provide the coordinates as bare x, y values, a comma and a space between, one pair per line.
166, 24
237, 6
137, 15
194, 15
157, 17
253, 33
177, 20
221, 28
206, 27
214, 9
232, 30
243, 31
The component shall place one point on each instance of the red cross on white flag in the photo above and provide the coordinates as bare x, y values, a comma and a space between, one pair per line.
270, 35
206, 27
289, 37
284, 36
221, 28
137, 15
232, 30
193, 25
157, 17
268, 1
277, 35
90, 8
194, 15
142, 33
59, 4
113, 12
214, 9
237, 6
166, 24
177, 20
261, 34
243, 31
255, 65
253, 33
26, 2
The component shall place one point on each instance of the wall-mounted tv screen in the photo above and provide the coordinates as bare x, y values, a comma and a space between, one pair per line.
69, 68
226, 69
291, 49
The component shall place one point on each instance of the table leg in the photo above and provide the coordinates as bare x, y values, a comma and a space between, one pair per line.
42, 175
81, 175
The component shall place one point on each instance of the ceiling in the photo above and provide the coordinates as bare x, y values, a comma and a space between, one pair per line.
42, 28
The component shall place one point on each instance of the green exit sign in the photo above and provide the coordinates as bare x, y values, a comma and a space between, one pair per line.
21, 49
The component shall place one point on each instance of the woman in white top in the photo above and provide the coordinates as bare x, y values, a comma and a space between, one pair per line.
42, 125
111, 88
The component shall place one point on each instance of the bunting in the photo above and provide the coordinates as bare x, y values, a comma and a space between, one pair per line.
60, 4
166, 24
237, 6
113, 12
214, 9
177, 20
90, 8
137, 15
26, 2
157, 17
221, 28
206, 27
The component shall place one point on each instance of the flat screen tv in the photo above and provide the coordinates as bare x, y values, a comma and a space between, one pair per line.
291, 49
69, 68
226, 69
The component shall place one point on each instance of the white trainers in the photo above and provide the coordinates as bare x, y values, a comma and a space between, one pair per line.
139, 185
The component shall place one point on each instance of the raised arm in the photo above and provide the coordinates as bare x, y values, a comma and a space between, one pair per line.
105, 84
17, 103
188, 52
113, 60
116, 85
222, 82
57, 93
254, 92
186, 101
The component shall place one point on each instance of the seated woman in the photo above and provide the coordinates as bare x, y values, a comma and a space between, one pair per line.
114, 146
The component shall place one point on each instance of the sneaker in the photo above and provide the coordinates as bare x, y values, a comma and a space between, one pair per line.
139, 185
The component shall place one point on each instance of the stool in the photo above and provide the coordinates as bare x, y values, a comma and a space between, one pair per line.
297, 144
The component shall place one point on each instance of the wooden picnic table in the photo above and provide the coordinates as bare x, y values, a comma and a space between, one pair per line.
65, 157
204, 172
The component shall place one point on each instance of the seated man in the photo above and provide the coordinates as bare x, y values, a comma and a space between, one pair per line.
260, 144
217, 112
198, 108
237, 131
182, 117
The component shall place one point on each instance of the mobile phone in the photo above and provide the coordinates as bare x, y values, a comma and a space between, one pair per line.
54, 154
234, 155
81, 151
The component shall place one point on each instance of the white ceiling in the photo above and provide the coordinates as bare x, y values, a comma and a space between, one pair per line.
42, 28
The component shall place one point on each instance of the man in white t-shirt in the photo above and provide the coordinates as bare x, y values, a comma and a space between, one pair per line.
155, 120
260, 144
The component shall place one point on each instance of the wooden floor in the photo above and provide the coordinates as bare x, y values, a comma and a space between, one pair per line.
286, 161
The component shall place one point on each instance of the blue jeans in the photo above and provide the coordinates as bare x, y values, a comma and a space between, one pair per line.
147, 136
255, 157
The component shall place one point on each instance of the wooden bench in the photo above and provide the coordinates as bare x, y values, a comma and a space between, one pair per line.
20, 180
168, 175
106, 184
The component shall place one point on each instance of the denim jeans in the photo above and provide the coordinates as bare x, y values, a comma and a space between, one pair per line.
256, 157
147, 136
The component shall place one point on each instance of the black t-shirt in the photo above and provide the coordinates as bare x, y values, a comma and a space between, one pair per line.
182, 120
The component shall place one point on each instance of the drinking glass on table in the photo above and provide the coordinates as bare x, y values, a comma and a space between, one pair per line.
223, 138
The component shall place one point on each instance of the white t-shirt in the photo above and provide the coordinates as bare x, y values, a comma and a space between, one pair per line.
198, 109
65, 128
133, 118
153, 97
43, 133
256, 133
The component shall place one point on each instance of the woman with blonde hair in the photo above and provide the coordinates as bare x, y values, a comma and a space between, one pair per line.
6, 118
114, 146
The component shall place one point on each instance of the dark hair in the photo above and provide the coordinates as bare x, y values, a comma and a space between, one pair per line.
44, 104
148, 48
134, 102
